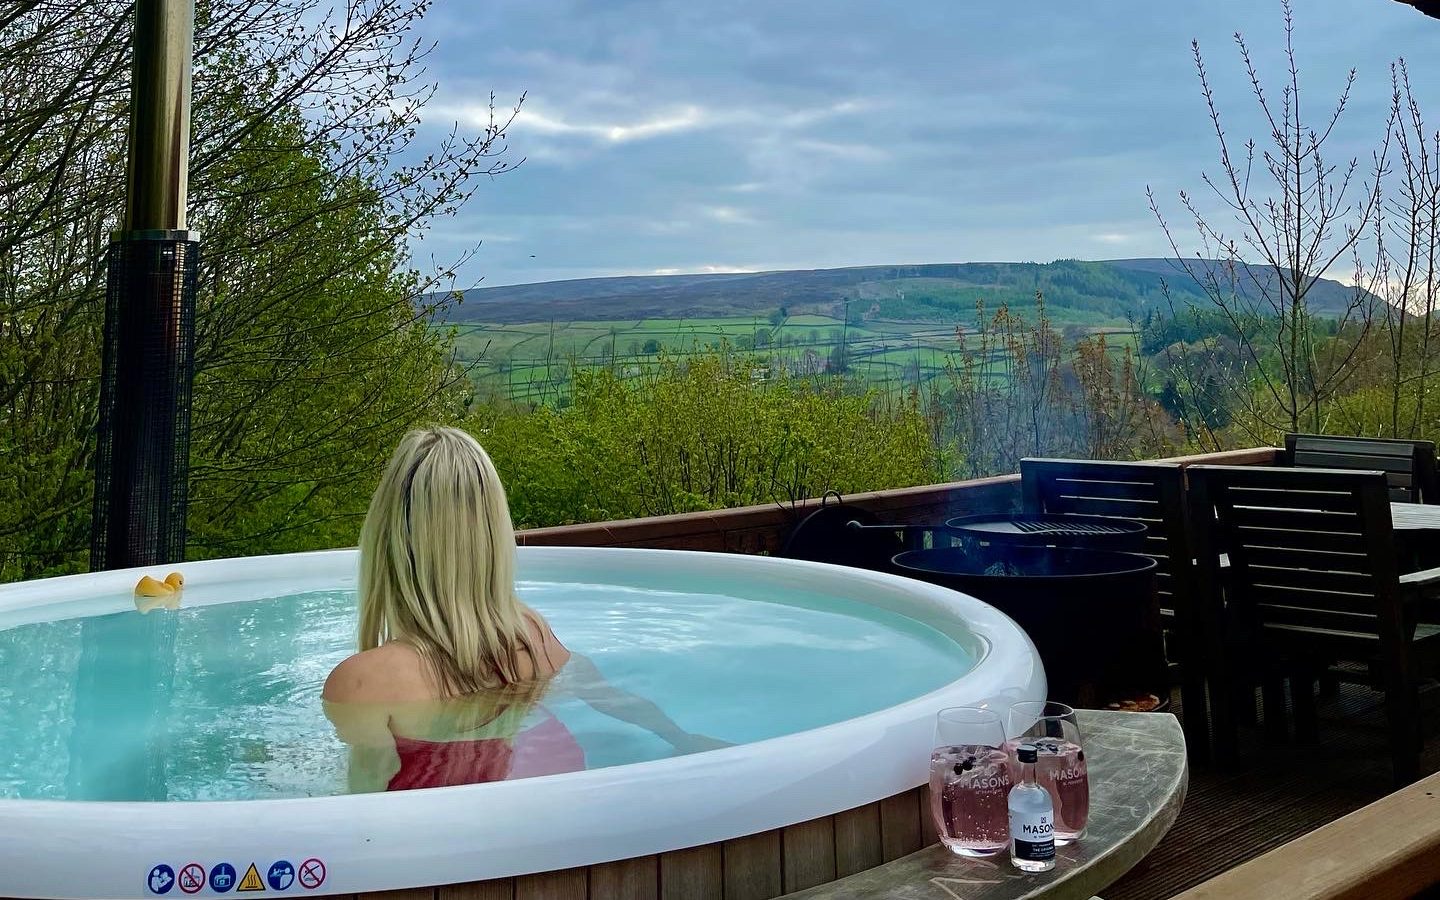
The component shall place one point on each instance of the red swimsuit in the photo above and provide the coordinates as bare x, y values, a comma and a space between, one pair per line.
544, 749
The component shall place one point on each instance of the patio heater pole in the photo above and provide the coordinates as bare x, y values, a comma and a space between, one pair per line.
143, 449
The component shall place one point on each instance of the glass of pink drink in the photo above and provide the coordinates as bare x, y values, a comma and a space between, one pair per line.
1061, 768
970, 781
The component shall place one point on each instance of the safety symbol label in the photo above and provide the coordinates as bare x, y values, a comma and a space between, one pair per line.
192, 878
222, 878
251, 881
281, 875
312, 873
161, 879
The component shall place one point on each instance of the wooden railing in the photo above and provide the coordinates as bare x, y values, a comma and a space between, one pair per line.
762, 529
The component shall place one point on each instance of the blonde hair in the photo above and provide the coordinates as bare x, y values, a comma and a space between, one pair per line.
437, 564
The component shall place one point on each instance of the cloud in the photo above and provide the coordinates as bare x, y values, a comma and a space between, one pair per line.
839, 150
710, 269
537, 118
728, 215
687, 118
664, 226
838, 132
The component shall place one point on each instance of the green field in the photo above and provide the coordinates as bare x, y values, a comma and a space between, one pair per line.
532, 361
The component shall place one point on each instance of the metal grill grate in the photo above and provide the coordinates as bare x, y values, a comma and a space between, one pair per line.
142, 459
1067, 528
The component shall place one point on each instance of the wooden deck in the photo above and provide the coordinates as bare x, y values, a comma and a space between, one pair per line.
1279, 792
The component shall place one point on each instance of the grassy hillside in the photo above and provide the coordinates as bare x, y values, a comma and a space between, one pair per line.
893, 326
1076, 292
530, 361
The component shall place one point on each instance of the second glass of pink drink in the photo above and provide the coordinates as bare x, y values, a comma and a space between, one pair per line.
970, 781
1061, 768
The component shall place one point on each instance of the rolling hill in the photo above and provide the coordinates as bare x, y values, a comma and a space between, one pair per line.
1075, 290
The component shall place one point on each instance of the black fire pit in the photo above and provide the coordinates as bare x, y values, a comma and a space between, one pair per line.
1092, 614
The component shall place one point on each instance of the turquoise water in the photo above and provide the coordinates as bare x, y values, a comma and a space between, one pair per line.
222, 702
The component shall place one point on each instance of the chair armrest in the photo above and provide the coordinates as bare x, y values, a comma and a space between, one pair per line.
1427, 578
1423, 585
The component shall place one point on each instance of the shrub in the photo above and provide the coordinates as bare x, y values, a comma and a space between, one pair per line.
703, 432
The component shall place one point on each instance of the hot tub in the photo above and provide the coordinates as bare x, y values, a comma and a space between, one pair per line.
130, 775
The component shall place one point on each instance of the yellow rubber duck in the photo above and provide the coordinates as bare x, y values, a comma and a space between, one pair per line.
150, 594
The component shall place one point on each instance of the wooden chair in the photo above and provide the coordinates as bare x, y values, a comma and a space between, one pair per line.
1153, 493
1312, 577
1409, 466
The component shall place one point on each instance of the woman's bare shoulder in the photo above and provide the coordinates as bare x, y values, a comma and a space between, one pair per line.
390, 672
552, 654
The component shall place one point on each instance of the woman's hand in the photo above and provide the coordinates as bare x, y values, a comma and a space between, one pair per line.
587, 683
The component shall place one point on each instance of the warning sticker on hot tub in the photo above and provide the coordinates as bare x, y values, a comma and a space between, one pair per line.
280, 877
251, 881
161, 879
312, 873
192, 878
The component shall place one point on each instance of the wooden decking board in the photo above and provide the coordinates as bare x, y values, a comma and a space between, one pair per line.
1217, 807
1278, 792
1176, 865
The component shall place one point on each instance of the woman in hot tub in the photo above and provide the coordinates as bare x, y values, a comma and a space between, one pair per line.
449, 683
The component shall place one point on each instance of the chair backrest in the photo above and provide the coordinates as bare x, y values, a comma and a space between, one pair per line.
1409, 466
1310, 550
1153, 493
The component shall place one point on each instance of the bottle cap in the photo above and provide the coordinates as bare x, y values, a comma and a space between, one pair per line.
1027, 753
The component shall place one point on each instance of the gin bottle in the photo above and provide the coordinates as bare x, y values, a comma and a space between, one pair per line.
1032, 818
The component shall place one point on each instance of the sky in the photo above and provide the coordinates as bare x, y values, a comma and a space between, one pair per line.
665, 136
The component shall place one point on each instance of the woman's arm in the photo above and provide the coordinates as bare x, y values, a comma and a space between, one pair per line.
365, 728
588, 683
362, 721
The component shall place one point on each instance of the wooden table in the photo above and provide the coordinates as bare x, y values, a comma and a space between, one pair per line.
1415, 516
1416, 526
1138, 777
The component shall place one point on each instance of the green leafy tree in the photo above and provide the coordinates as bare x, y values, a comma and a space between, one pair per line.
702, 432
313, 351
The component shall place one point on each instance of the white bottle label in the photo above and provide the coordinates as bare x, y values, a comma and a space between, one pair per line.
1034, 835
